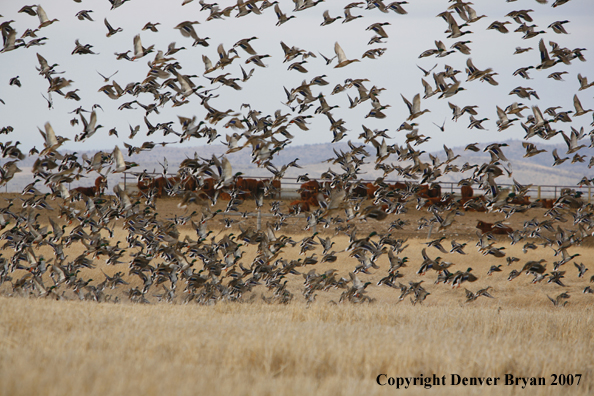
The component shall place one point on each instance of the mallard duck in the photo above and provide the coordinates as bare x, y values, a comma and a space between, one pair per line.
414, 108
282, 17
298, 66
43, 19
558, 27
139, 50
583, 82
470, 296
545, 61
513, 275
499, 26
84, 14
581, 269
110, 30
245, 45
531, 149
461, 277
473, 72
494, 268
560, 300
257, 60
454, 28
342, 59
558, 160
462, 47
579, 110
476, 123
120, 164
328, 19
534, 267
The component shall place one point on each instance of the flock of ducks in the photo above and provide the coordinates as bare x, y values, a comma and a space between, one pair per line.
208, 268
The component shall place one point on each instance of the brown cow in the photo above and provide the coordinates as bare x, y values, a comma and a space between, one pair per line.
433, 201
100, 185
313, 202
189, 183
208, 187
371, 189
522, 200
434, 191
425, 191
467, 192
309, 192
298, 206
86, 191
254, 187
422, 190
360, 190
241, 184
309, 189
490, 227
270, 188
98, 189
160, 185
399, 186
547, 203
145, 186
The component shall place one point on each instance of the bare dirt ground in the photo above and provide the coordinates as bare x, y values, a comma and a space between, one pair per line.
463, 230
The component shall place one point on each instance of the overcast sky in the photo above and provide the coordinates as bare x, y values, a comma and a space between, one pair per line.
396, 71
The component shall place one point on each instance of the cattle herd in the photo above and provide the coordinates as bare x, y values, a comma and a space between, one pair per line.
429, 194
243, 188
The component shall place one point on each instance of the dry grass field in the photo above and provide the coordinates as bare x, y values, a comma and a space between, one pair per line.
57, 348
324, 347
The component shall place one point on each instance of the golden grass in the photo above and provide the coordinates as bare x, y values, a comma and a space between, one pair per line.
58, 348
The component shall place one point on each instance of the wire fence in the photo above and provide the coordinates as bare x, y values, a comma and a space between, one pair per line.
290, 187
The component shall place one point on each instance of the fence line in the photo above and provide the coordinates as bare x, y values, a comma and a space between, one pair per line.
535, 191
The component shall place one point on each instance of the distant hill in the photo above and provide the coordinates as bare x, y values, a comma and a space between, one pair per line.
536, 170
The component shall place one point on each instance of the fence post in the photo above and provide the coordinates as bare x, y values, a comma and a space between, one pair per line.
589, 193
259, 219
125, 187
538, 189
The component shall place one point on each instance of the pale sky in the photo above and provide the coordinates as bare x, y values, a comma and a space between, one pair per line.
396, 71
